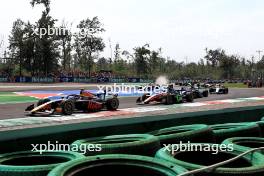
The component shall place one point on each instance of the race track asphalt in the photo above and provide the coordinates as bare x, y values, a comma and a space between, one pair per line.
10, 111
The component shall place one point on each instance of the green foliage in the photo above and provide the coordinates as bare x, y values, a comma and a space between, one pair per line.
30, 54
88, 43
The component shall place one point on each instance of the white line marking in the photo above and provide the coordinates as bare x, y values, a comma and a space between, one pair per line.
231, 101
252, 98
193, 104
145, 109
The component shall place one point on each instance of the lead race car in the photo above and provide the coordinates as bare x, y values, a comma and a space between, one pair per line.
171, 96
67, 105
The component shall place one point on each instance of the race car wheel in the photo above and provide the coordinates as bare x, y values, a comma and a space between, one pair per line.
189, 97
67, 107
112, 104
205, 93
211, 90
164, 100
43, 101
226, 90
169, 99
199, 94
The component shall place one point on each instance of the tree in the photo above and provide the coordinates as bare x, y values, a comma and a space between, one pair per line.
47, 46
154, 62
65, 39
228, 65
46, 3
213, 56
16, 44
142, 55
87, 42
117, 53
102, 64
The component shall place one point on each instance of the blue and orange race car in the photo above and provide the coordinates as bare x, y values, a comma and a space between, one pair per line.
67, 105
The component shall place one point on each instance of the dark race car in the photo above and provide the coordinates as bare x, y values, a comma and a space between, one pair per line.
67, 105
199, 92
218, 89
172, 96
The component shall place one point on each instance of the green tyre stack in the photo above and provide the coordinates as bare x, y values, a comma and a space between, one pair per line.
134, 144
249, 165
261, 126
245, 143
117, 165
33, 163
229, 130
188, 133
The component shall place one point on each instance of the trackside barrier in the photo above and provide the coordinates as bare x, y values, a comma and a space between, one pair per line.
21, 139
28, 79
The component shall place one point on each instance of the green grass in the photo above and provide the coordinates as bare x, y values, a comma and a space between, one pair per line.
10, 97
235, 85
7, 93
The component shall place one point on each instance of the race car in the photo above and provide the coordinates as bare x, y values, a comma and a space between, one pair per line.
67, 105
172, 96
199, 92
218, 89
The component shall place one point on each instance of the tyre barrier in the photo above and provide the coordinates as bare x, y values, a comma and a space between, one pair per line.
261, 126
118, 165
135, 144
246, 143
249, 165
229, 130
29, 163
187, 133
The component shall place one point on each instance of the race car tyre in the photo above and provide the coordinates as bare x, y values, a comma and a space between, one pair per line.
224, 131
172, 100
137, 144
226, 91
209, 154
164, 100
211, 90
167, 100
30, 163
205, 93
199, 94
128, 165
189, 97
43, 101
246, 143
186, 133
67, 107
112, 104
